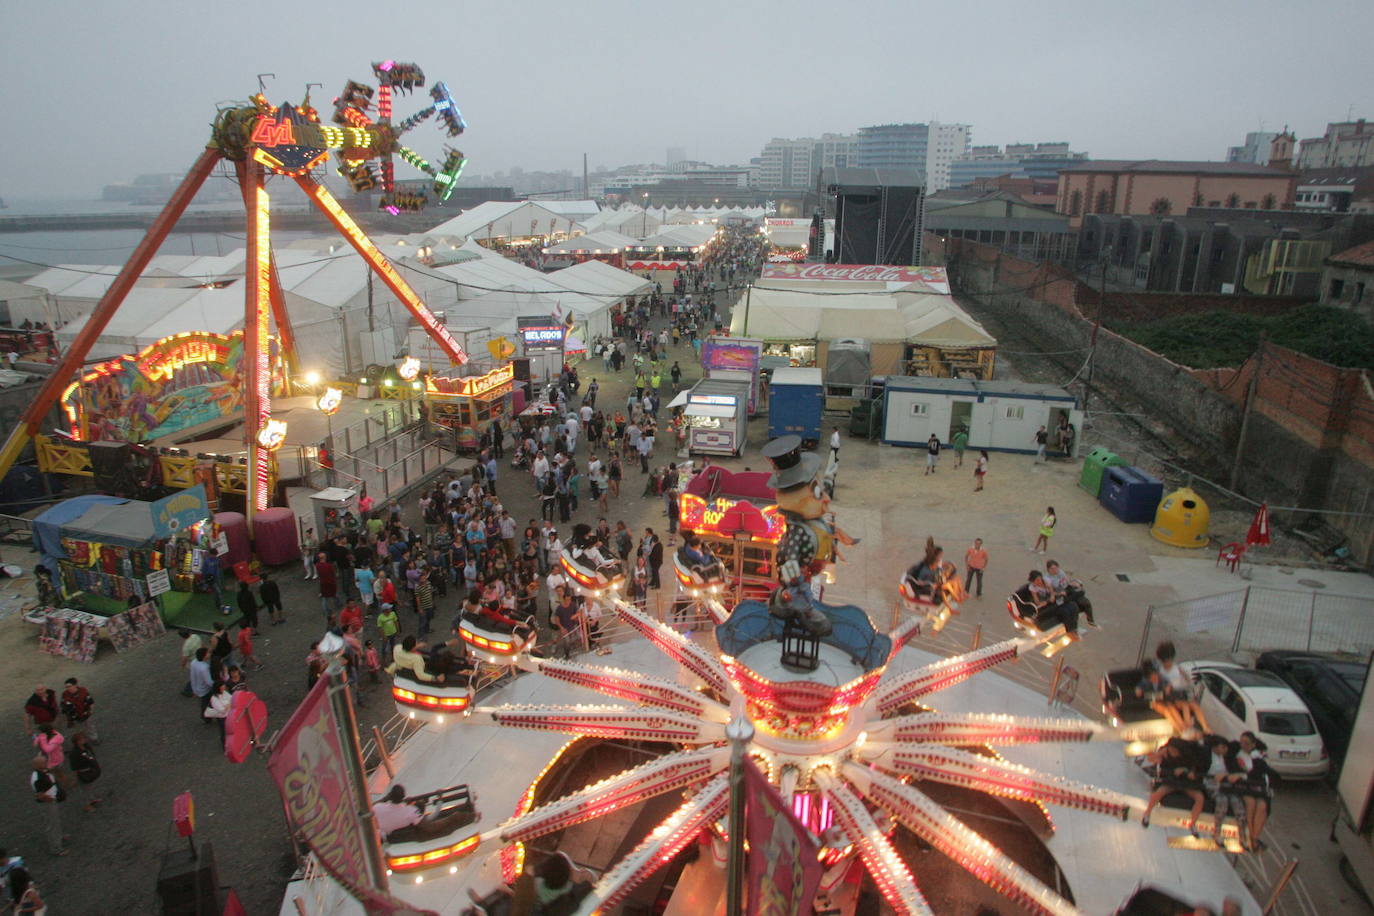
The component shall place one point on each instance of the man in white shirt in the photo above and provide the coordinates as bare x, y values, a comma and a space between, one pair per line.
540, 468
586, 413
632, 434
835, 443
646, 448
555, 580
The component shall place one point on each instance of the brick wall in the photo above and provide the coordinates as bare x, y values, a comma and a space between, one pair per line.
1310, 440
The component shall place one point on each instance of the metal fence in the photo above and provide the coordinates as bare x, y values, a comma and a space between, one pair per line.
1256, 618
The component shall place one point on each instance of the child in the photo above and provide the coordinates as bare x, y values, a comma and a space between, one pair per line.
374, 664
245, 646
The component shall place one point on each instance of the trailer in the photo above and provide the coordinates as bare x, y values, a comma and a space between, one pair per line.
796, 400
717, 416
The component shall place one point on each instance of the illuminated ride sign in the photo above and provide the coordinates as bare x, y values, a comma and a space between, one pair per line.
723, 517
472, 386
178, 382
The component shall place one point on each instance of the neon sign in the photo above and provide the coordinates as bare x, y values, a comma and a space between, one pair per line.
725, 517
472, 386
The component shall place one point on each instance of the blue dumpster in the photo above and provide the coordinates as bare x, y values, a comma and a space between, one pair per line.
1130, 494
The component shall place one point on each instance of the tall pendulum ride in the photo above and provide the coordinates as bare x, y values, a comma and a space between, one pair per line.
259, 139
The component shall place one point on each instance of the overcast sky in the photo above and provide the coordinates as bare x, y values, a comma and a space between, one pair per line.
98, 91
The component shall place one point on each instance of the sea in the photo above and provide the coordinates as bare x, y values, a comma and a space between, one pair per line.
23, 254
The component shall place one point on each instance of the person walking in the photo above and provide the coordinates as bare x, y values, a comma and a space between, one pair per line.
202, 681
388, 625
52, 745
41, 707
932, 453
86, 768
975, 561
244, 644
309, 545
329, 585
835, 444
78, 706
248, 605
190, 642
980, 470
1042, 539
49, 796
424, 602
959, 442
269, 593
1041, 438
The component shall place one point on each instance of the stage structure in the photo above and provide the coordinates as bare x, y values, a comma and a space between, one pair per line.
259, 140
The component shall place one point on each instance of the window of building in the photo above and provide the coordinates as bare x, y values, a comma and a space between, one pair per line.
920, 409
1104, 202
1359, 293
1015, 413
1075, 203
1268, 202
1337, 287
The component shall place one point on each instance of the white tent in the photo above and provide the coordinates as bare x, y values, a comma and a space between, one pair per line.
603, 242
149, 314
509, 219
690, 236
629, 220
597, 278
21, 302
888, 321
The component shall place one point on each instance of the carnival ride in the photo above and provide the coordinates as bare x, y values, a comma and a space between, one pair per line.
361, 106
258, 138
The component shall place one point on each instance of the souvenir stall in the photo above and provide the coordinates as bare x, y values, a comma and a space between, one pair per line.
109, 557
716, 416
465, 407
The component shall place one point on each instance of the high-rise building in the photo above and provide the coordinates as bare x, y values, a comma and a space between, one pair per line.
1255, 149
1041, 161
1345, 144
676, 154
928, 149
794, 163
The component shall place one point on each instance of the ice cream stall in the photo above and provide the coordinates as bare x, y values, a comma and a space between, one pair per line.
465, 407
717, 416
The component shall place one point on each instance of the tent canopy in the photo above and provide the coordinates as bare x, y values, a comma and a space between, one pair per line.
513, 219
919, 318
597, 278
679, 237
605, 241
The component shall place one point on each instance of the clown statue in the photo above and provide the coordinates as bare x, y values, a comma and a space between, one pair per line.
808, 543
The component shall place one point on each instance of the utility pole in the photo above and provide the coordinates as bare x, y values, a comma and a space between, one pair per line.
1097, 325
1245, 415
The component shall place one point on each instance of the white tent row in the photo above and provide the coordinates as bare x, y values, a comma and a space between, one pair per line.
674, 216
680, 237
514, 219
604, 241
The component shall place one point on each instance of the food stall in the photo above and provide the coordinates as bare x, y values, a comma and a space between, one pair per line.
465, 407
717, 416
735, 358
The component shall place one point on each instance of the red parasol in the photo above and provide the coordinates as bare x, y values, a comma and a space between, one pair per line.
1258, 535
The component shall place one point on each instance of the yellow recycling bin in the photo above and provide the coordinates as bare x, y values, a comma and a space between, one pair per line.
1181, 519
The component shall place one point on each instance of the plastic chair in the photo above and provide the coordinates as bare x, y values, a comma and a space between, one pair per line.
243, 571
1231, 553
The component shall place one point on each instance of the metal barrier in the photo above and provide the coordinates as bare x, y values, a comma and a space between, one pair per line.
1257, 618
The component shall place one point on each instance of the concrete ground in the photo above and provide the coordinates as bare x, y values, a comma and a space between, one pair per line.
155, 745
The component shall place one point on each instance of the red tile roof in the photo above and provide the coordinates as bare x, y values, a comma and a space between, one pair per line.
1359, 256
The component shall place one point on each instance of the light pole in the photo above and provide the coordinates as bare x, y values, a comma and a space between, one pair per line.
328, 404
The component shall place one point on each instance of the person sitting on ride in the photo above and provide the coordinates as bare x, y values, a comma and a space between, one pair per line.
586, 550
1035, 601
408, 659
494, 617
448, 660
403, 821
1066, 588
699, 558
924, 578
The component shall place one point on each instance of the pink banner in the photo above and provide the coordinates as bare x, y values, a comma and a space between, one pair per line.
783, 869
932, 278
308, 766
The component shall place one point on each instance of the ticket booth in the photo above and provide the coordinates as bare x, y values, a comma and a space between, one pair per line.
717, 417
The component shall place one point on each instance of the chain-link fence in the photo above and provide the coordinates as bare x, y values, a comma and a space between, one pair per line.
1257, 618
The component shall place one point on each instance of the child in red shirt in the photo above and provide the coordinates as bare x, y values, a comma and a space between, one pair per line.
374, 664
245, 647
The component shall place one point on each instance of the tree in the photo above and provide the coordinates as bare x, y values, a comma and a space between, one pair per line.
1268, 202
1162, 206
1233, 200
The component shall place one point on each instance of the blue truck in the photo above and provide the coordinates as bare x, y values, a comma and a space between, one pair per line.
796, 399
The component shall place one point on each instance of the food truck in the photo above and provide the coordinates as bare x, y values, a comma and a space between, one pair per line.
465, 407
717, 416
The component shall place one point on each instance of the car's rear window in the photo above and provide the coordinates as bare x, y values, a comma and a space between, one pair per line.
1286, 723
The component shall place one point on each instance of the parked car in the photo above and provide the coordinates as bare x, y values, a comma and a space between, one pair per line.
1236, 699
1329, 685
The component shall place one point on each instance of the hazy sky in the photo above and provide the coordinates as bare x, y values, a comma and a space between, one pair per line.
98, 91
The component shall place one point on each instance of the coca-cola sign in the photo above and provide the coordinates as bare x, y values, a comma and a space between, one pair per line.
933, 278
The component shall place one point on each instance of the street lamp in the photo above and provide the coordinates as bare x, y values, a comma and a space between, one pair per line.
328, 404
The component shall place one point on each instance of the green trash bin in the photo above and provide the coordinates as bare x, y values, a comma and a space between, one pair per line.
1095, 468
866, 418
